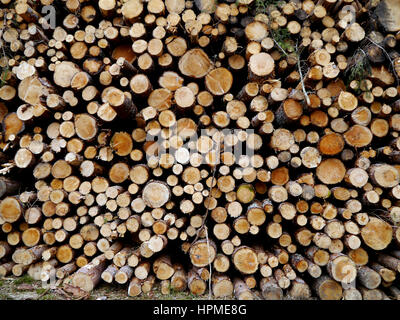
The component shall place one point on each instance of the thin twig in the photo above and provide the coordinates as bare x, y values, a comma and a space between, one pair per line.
203, 224
284, 52
299, 68
209, 194
42, 294
302, 82
301, 77
209, 265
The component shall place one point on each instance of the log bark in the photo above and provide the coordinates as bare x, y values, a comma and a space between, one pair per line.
87, 277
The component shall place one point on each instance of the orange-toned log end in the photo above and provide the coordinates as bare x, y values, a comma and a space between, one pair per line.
328, 289
291, 111
179, 280
280, 176
219, 81
186, 127
361, 115
256, 215
31, 89
65, 254
85, 126
170, 80
379, 127
7, 92
358, 136
160, 227
195, 63
119, 172
377, 234
202, 253
139, 174
347, 101
114, 96
160, 99
80, 80
61, 169
331, 171
121, 143
304, 237
31, 237
221, 119
196, 285
245, 260
222, 286
64, 72
12, 125
226, 183
384, 175
162, 268
359, 256
319, 118
221, 263
10, 209
342, 269
135, 287
331, 144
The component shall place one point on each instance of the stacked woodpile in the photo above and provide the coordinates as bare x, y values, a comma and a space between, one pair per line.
121, 125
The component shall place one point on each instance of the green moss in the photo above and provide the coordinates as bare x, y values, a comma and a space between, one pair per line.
262, 6
49, 297
359, 68
282, 36
4, 75
180, 296
24, 279
40, 291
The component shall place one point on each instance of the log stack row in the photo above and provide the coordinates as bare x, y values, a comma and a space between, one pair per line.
249, 148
